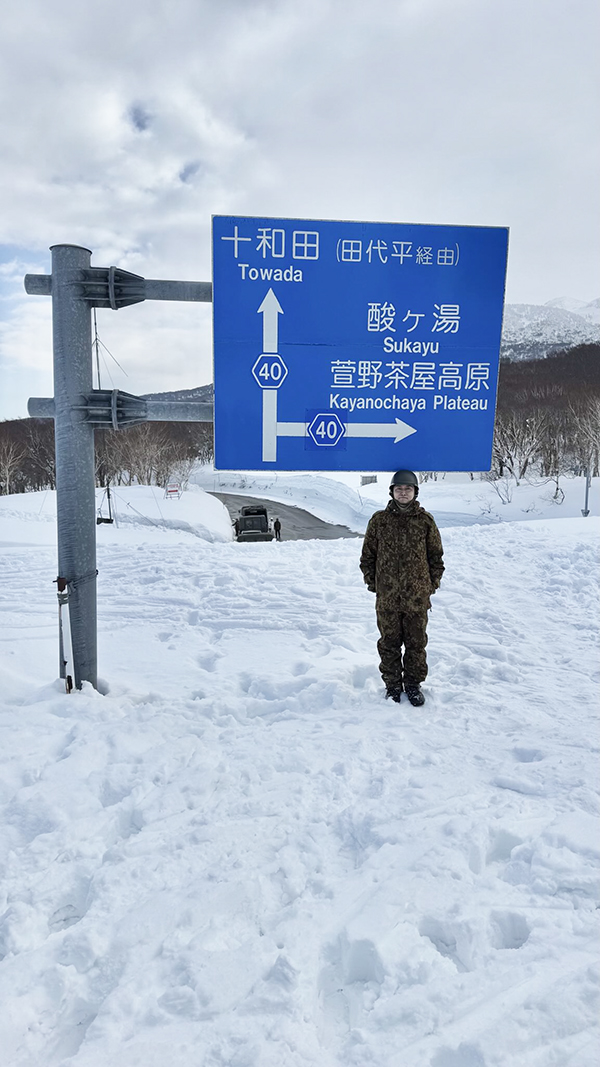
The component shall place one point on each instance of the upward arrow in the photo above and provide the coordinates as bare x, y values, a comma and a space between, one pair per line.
270, 309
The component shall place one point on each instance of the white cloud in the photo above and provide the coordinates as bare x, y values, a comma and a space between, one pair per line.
125, 130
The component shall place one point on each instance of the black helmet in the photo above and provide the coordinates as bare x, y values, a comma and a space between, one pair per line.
404, 478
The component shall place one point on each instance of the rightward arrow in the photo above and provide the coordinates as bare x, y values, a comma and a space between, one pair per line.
397, 429
270, 309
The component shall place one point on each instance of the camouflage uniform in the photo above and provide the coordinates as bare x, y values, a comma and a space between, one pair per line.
402, 562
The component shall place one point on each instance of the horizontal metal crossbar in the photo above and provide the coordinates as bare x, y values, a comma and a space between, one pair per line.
113, 408
111, 287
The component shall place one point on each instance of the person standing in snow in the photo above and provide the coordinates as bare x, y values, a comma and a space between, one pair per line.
402, 563
277, 528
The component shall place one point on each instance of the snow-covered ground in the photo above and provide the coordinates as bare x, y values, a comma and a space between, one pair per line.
239, 855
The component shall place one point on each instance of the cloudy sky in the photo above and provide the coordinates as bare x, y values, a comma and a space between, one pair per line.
124, 127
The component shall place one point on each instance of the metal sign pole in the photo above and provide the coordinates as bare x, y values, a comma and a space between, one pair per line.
588, 481
77, 409
74, 448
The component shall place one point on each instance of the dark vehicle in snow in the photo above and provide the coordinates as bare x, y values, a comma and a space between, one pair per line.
253, 525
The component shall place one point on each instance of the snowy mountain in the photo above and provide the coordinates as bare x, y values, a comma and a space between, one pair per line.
591, 311
532, 331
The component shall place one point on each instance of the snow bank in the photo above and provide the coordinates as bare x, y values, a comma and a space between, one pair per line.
133, 508
454, 499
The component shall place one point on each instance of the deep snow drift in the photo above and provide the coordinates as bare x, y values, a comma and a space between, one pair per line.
241, 856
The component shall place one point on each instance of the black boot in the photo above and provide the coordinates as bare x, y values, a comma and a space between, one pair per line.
414, 694
394, 692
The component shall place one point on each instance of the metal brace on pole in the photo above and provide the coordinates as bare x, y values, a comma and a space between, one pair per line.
588, 482
76, 287
115, 409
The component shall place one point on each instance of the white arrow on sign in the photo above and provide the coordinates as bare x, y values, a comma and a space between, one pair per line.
291, 429
270, 309
397, 429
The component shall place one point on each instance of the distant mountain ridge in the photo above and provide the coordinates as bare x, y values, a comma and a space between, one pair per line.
203, 393
589, 311
530, 331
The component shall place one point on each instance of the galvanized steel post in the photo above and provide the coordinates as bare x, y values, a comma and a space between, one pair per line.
77, 408
588, 482
74, 447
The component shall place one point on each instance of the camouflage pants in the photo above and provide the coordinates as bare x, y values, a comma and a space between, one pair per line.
400, 630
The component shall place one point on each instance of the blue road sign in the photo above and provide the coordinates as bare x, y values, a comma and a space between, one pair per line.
355, 346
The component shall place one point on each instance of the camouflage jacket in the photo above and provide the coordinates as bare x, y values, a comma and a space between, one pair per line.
402, 556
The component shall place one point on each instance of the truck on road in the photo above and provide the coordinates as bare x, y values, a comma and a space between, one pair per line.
253, 525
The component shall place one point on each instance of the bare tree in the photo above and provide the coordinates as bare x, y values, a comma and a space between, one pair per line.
142, 452
11, 457
203, 443
150, 453
181, 471
501, 483
587, 419
40, 463
518, 440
